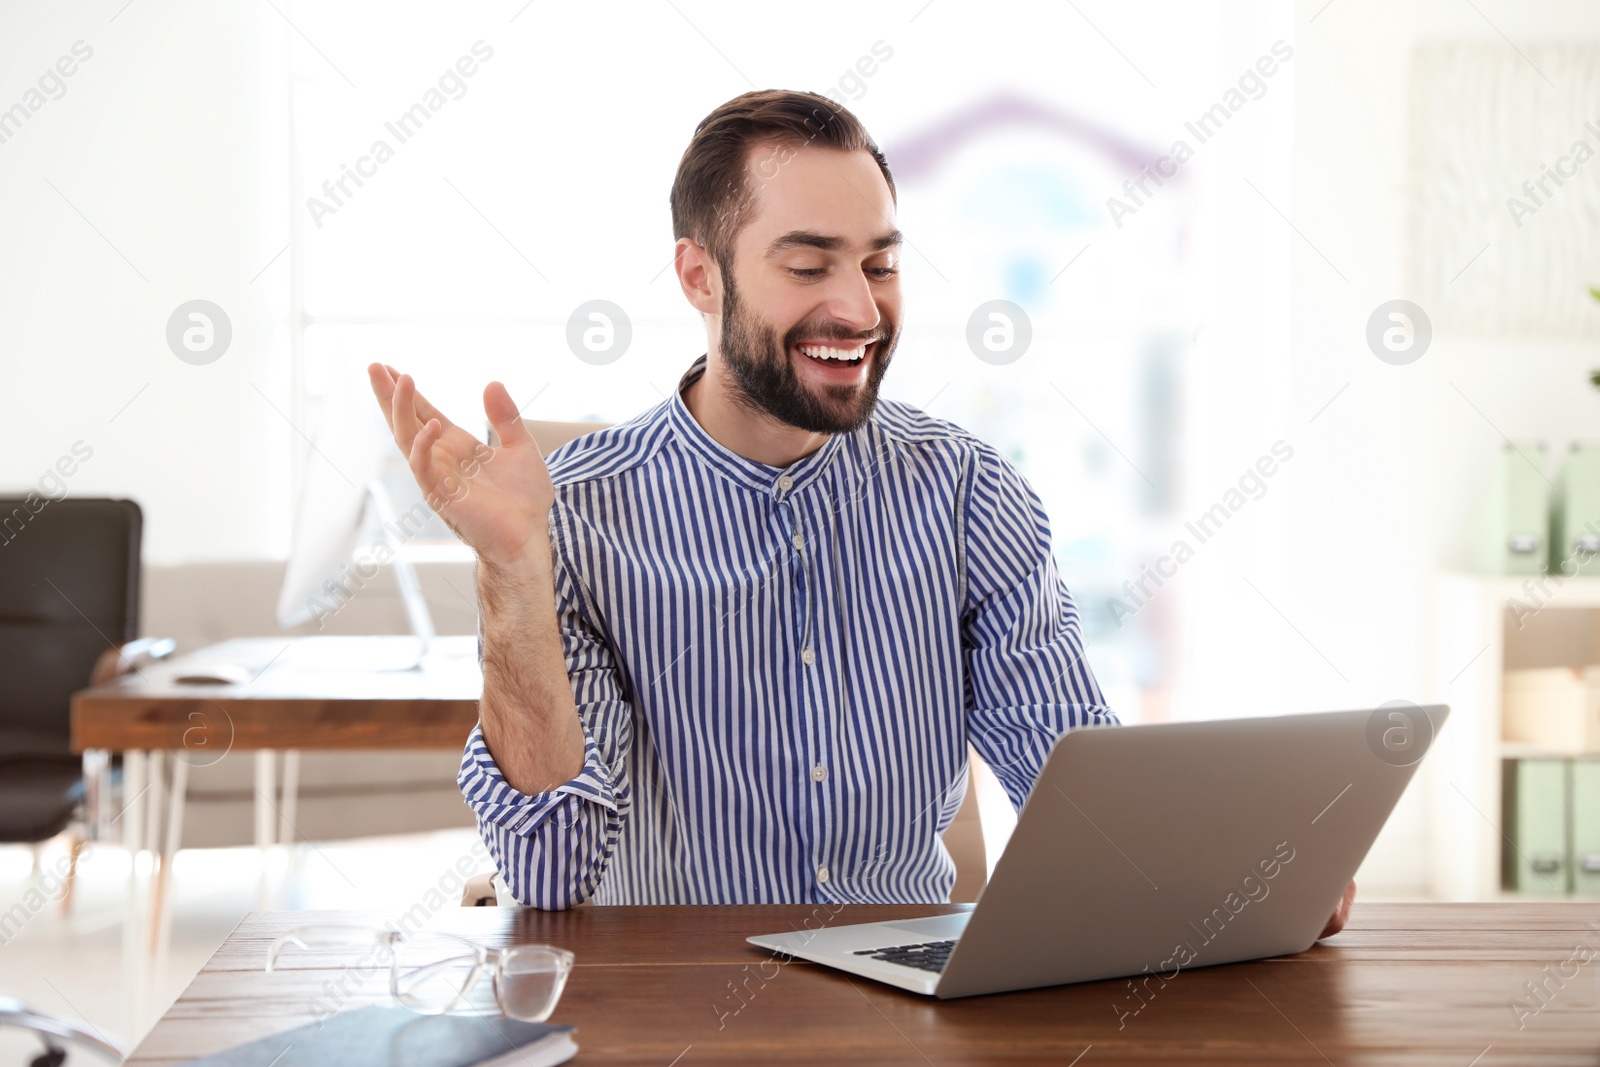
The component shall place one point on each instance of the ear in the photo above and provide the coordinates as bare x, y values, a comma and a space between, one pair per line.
698, 276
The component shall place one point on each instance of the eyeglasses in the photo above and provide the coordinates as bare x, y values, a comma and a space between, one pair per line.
435, 974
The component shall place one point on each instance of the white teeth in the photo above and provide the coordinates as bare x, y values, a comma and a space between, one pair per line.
847, 355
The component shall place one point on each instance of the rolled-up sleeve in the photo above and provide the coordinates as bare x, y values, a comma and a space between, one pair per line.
551, 848
1027, 680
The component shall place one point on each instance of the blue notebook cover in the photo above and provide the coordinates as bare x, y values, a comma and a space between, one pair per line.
388, 1037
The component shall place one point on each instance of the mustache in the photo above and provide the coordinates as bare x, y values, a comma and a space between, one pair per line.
878, 335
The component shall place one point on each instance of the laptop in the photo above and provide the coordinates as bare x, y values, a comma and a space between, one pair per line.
1155, 849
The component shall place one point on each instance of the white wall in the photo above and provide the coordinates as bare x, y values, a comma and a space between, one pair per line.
170, 142
1382, 495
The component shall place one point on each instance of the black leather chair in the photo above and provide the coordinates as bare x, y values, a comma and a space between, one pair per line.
69, 595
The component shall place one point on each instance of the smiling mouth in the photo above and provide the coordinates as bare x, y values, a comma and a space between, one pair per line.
837, 354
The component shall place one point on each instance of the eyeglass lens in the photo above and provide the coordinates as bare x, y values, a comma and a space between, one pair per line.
529, 981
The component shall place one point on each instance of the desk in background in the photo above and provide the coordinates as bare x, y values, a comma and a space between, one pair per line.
307, 693
1404, 984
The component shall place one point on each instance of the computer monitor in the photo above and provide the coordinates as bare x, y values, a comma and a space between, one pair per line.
335, 550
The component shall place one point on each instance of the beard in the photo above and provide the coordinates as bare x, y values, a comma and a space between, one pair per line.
766, 382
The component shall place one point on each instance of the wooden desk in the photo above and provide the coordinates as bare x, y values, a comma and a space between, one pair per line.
305, 693
659, 986
310, 692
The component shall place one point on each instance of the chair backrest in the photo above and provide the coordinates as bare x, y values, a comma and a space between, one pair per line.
550, 436
69, 589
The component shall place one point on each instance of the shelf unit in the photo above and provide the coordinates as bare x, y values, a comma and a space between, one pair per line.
1482, 627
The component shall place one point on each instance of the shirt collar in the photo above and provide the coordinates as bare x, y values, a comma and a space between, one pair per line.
777, 482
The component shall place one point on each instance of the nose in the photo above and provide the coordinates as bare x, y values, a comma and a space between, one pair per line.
851, 304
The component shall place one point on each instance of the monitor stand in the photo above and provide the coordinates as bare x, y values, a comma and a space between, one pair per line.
405, 574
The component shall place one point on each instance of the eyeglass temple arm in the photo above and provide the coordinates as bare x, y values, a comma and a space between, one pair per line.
277, 946
480, 958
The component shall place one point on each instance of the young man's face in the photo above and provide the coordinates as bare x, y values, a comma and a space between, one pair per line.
816, 267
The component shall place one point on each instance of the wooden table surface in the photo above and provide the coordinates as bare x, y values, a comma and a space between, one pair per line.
1404, 984
307, 693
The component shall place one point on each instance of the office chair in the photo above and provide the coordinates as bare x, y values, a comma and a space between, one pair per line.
15, 1013
69, 593
550, 436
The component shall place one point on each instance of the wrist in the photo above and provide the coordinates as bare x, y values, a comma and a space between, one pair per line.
532, 557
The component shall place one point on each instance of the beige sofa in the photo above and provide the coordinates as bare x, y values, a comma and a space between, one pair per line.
341, 794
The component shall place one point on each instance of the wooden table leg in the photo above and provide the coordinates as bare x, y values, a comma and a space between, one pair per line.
266, 815
155, 801
161, 911
290, 794
96, 799
75, 847
288, 811
133, 824
155, 880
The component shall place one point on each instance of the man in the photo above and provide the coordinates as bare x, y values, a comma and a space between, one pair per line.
735, 648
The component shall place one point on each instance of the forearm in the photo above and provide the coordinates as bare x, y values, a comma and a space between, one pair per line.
529, 716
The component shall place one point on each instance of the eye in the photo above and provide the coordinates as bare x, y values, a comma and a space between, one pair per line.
808, 272
884, 272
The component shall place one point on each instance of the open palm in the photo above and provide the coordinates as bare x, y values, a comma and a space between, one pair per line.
496, 499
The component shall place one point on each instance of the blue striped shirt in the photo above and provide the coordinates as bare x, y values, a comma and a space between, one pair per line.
778, 671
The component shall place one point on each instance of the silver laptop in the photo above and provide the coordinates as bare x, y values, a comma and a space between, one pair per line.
1156, 849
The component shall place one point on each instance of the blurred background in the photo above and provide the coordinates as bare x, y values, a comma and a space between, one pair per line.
1299, 297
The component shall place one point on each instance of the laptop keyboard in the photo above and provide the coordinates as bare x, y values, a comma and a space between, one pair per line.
928, 956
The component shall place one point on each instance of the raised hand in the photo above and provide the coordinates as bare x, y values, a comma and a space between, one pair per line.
497, 500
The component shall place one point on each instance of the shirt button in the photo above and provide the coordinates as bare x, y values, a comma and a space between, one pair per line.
819, 773
799, 541
822, 875
786, 482
808, 657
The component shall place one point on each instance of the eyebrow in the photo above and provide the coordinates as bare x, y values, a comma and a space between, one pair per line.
828, 243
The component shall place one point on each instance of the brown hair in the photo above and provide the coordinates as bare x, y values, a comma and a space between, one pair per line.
713, 192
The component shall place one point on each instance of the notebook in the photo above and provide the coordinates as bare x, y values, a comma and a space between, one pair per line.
388, 1037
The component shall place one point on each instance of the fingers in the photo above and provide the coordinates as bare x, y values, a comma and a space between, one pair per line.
397, 393
405, 409
1341, 913
382, 383
504, 416
425, 409
420, 456
403, 413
